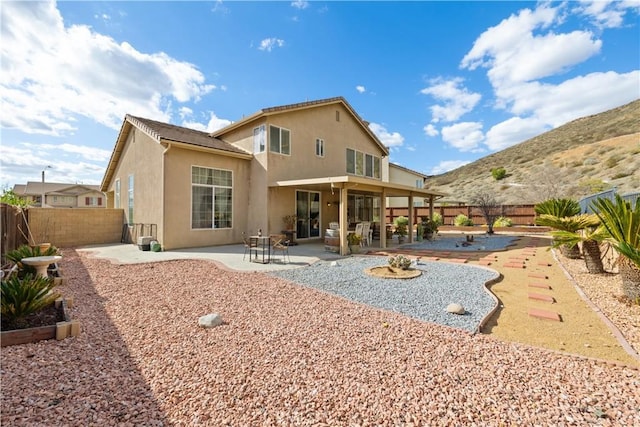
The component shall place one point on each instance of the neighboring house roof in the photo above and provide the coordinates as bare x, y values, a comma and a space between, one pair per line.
34, 188
301, 106
408, 170
165, 133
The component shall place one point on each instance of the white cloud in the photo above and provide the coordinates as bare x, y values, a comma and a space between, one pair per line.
361, 89
513, 131
300, 4
270, 43
607, 13
457, 100
465, 136
389, 139
447, 165
430, 130
23, 162
213, 124
513, 52
51, 74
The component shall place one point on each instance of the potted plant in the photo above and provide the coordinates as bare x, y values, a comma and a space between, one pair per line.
354, 240
429, 228
401, 223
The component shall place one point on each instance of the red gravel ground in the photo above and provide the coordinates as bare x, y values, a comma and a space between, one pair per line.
286, 355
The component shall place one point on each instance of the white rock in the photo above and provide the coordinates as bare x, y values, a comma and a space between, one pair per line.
334, 263
455, 308
210, 320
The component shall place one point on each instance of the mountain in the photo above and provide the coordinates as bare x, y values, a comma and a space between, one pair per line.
580, 158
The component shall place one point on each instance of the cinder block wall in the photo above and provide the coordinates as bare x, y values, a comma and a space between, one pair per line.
76, 227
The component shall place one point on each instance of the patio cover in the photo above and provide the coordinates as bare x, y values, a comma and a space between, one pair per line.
354, 183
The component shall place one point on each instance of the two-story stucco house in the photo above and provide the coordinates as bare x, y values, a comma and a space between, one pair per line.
60, 195
316, 160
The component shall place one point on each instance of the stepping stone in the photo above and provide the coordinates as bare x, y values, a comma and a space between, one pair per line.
539, 285
484, 262
431, 258
544, 264
544, 314
537, 276
458, 260
514, 265
541, 297
518, 258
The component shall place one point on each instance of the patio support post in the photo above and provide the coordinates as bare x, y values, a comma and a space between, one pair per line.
431, 207
411, 210
383, 219
344, 225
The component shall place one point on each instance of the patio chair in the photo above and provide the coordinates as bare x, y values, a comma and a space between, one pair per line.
247, 246
280, 243
366, 233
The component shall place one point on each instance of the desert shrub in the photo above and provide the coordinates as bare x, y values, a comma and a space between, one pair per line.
437, 218
498, 173
399, 261
503, 221
621, 175
590, 161
612, 161
462, 221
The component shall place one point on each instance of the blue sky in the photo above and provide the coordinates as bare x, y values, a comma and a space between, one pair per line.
441, 83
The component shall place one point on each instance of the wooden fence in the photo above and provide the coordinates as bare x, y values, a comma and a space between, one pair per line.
13, 226
519, 214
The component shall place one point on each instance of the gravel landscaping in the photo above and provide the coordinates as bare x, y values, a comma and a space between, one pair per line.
481, 242
286, 355
425, 297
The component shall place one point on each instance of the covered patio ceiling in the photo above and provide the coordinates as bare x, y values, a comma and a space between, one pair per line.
356, 184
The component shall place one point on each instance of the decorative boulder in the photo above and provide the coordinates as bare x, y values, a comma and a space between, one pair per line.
210, 320
455, 308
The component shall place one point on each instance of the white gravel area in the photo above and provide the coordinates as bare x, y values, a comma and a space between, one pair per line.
287, 355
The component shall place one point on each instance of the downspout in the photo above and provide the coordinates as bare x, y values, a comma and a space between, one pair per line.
164, 177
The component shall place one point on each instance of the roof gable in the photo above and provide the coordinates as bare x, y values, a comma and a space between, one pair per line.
165, 133
265, 112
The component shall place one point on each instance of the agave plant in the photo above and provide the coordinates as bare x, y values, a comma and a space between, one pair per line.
21, 297
622, 223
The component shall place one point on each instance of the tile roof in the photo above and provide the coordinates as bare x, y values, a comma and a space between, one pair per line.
181, 134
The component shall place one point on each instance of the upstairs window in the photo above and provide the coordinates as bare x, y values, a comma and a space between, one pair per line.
279, 140
319, 147
419, 183
117, 194
259, 139
361, 164
130, 199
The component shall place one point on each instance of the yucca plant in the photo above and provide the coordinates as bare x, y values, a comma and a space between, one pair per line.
20, 297
622, 222
586, 230
26, 251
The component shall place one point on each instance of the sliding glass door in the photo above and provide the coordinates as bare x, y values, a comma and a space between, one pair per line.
308, 213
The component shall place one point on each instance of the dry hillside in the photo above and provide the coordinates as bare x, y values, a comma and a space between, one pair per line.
577, 159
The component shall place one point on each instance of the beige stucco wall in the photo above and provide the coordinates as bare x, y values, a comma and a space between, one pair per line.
142, 157
81, 200
76, 227
177, 231
403, 177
